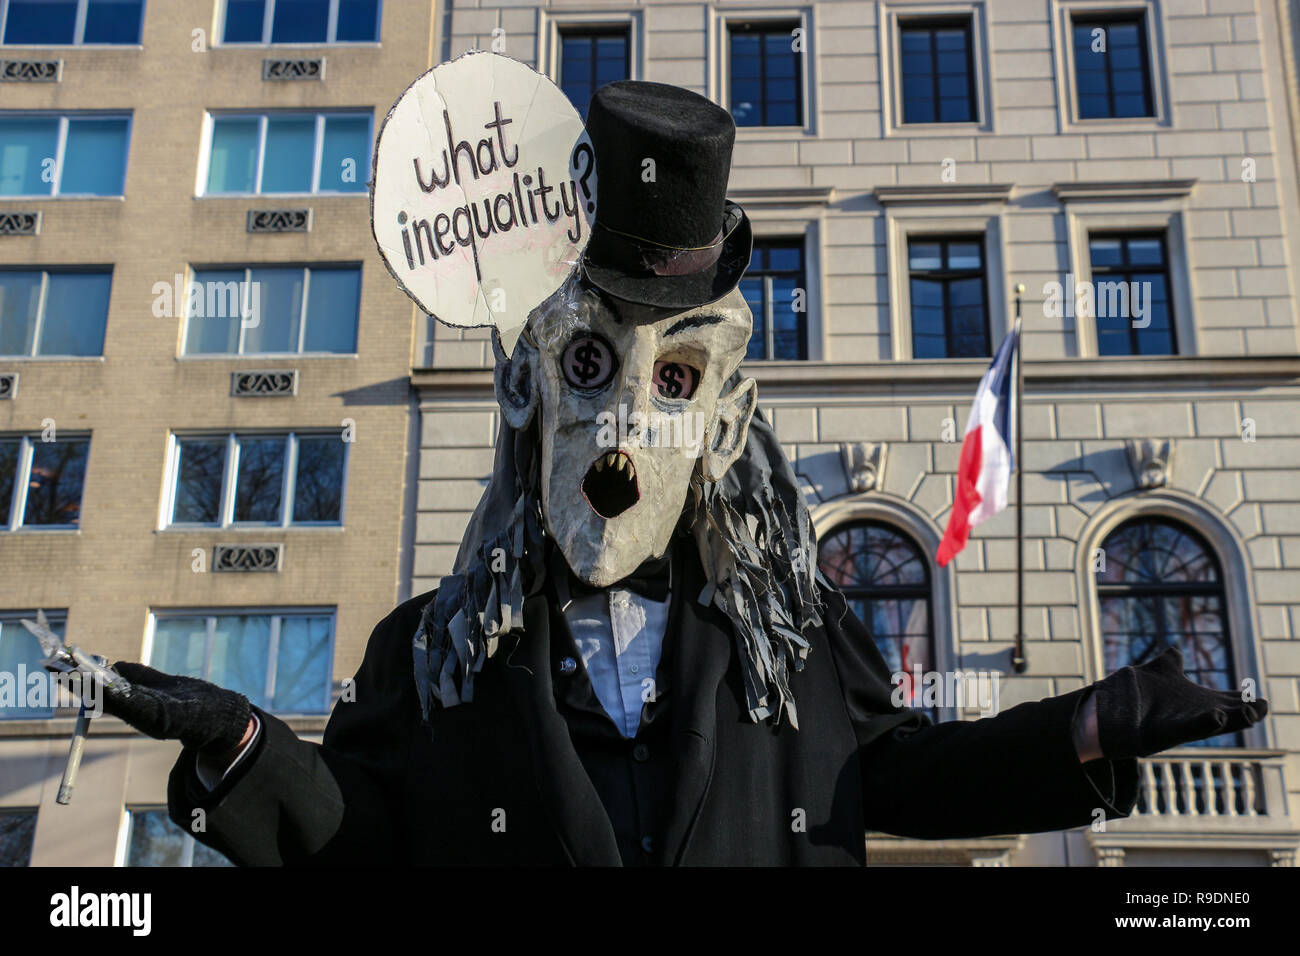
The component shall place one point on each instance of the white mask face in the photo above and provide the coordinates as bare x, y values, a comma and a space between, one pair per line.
631, 404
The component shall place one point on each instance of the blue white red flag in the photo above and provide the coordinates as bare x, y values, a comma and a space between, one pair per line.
984, 471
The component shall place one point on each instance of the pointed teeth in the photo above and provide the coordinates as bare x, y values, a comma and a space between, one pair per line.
600, 464
611, 459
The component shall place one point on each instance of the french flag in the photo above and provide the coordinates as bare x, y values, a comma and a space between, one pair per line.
984, 471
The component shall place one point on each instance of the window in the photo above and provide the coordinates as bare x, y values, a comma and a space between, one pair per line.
153, 840
67, 22
41, 482
271, 480
273, 310
1130, 280
949, 307
301, 21
281, 662
886, 583
17, 833
20, 657
776, 291
1112, 69
288, 153
766, 74
590, 58
1161, 585
53, 313
938, 72
76, 154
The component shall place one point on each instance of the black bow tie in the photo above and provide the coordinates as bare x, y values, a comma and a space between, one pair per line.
651, 580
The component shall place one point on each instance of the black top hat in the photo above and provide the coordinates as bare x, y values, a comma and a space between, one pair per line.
664, 235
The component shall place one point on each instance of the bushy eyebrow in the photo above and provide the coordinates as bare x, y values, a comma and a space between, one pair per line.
694, 322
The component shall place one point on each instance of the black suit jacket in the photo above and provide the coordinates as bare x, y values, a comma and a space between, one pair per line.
498, 780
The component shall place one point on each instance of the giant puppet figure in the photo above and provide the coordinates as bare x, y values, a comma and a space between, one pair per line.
635, 660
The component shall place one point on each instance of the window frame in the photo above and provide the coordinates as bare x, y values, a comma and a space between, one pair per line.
1082, 218
805, 322
946, 276
591, 31
933, 23
1152, 13
893, 17
229, 478
719, 75
247, 269
79, 31
45, 272
1127, 271
277, 615
553, 23
14, 619
61, 145
268, 20
903, 223
318, 149
1108, 19
12, 523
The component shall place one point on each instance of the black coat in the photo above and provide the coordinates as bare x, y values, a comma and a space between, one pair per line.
499, 781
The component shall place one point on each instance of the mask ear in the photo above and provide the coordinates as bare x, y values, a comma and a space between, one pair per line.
729, 429
516, 380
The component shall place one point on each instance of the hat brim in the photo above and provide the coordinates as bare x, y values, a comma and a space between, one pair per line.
684, 291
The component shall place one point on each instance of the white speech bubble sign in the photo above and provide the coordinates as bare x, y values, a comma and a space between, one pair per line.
484, 191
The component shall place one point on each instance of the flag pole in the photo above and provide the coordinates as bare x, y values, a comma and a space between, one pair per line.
1019, 663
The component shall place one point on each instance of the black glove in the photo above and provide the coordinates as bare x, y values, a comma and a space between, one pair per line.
1149, 708
202, 716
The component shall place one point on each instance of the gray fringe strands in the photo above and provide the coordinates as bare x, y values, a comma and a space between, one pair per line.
755, 542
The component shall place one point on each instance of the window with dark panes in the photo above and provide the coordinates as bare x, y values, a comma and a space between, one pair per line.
17, 834
766, 74
53, 312
886, 582
301, 21
258, 479
1161, 586
1112, 67
590, 58
19, 648
949, 303
280, 661
71, 22
776, 290
41, 481
154, 840
1131, 301
938, 71
298, 310
74, 154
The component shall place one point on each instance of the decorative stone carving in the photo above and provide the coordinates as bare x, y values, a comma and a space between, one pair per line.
864, 464
19, 223
30, 71
297, 69
279, 220
1283, 857
1110, 856
264, 384
1151, 460
247, 557
8, 385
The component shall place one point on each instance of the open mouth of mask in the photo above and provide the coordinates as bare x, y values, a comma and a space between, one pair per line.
610, 485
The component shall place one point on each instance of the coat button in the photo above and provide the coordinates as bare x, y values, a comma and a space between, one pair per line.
648, 844
568, 665
640, 753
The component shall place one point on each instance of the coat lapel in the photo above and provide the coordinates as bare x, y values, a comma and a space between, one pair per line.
701, 653
571, 800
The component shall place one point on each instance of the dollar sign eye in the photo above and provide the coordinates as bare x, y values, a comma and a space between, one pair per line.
588, 362
675, 379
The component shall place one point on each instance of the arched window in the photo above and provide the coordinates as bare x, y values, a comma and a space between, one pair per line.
1161, 585
886, 581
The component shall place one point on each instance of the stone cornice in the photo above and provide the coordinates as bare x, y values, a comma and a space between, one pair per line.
759, 198
942, 195
1124, 189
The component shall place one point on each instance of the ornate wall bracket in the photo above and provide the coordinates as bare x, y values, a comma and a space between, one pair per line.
1151, 460
864, 465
